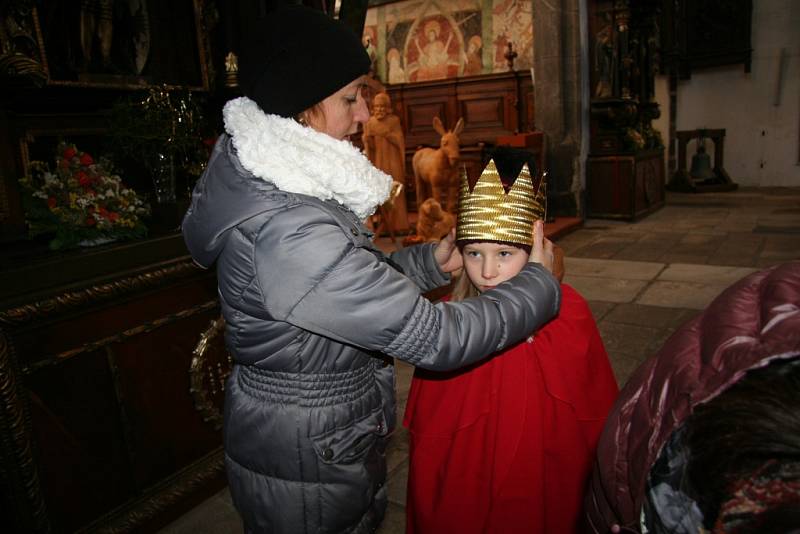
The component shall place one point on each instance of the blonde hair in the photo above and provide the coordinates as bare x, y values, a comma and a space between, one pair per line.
463, 288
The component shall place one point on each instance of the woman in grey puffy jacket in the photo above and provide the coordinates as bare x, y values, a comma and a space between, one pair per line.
314, 312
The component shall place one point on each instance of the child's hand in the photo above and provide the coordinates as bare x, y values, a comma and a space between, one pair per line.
447, 254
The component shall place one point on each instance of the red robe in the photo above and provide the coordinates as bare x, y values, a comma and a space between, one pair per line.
506, 445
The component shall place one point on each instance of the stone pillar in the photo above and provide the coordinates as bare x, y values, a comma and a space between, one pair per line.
558, 97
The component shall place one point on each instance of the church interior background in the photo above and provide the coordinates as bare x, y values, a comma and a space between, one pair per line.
669, 131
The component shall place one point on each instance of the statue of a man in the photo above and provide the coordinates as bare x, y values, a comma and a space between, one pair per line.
385, 147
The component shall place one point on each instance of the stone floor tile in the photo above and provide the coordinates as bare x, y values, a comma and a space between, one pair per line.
604, 224
394, 522
627, 343
577, 239
603, 247
746, 237
674, 257
215, 514
600, 308
696, 244
680, 294
736, 225
640, 253
397, 449
624, 366
605, 289
741, 259
763, 263
625, 339
737, 244
631, 270
651, 316
403, 373
703, 274
396, 484
627, 232
662, 238
698, 240
781, 246
709, 229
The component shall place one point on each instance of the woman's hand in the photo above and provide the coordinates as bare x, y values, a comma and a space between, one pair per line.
542, 249
447, 254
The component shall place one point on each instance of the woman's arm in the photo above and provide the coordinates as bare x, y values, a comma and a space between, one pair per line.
312, 276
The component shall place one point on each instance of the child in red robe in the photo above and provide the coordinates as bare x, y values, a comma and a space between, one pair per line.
506, 445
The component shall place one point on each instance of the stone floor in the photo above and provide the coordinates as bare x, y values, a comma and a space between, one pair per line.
642, 280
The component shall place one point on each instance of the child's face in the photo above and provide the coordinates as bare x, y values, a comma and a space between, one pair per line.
489, 264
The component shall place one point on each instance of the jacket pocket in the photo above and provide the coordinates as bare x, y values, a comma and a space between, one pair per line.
349, 444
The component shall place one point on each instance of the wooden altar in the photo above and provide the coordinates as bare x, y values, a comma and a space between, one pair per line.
625, 166
101, 431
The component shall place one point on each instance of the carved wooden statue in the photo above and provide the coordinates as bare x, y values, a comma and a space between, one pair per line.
433, 223
385, 147
436, 170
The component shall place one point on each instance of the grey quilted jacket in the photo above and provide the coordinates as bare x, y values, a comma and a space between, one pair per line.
314, 314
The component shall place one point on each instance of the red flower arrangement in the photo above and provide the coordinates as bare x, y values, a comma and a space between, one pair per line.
81, 202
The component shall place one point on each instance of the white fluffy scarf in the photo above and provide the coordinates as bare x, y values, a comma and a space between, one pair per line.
301, 160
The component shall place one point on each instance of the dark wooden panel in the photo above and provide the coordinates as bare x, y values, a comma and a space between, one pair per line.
625, 187
609, 186
491, 106
166, 432
419, 118
487, 112
113, 436
80, 445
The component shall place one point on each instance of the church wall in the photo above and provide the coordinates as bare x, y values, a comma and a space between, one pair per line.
412, 41
760, 110
662, 122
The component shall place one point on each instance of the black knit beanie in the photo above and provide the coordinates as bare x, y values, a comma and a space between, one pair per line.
298, 57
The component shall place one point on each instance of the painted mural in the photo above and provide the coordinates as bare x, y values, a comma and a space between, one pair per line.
420, 40
512, 20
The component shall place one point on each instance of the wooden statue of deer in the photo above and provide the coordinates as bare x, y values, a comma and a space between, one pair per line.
436, 170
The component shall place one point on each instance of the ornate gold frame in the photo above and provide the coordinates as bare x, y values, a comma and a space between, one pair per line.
204, 374
203, 61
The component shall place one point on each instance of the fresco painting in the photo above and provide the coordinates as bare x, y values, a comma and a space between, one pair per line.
512, 21
416, 41
433, 49
370, 41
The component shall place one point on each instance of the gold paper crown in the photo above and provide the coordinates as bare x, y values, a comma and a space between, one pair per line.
488, 213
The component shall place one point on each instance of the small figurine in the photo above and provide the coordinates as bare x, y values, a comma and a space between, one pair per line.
385, 147
433, 223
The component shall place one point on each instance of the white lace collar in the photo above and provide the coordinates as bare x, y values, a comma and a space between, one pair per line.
301, 160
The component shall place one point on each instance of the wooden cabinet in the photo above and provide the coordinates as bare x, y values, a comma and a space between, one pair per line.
625, 186
101, 430
492, 106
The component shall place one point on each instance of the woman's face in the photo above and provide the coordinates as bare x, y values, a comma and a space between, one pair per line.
489, 264
342, 111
